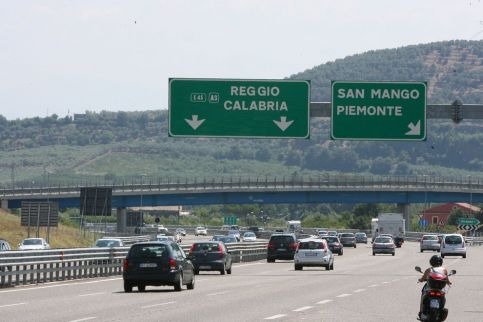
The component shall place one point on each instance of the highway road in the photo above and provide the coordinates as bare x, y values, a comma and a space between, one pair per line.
362, 287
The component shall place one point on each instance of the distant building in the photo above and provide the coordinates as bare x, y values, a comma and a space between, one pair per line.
439, 215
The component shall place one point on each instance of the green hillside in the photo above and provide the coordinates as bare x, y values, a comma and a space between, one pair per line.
129, 146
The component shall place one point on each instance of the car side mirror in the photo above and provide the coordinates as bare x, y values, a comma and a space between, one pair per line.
418, 269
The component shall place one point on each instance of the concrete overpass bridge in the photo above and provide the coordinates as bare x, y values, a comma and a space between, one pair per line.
401, 190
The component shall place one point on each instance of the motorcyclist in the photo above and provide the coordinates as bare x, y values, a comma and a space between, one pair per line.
436, 263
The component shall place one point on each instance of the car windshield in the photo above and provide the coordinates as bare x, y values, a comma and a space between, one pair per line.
331, 239
216, 238
249, 234
453, 240
149, 251
107, 243
282, 239
228, 239
311, 245
32, 242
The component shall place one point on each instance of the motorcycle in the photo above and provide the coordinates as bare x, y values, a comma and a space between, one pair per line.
434, 297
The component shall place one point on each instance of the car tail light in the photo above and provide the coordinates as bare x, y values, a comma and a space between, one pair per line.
125, 264
271, 246
220, 249
322, 246
192, 248
172, 264
293, 246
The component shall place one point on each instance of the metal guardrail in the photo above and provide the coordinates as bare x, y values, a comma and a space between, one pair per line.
325, 182
35, 267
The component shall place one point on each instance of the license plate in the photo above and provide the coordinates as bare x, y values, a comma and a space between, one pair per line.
144, 265
434, 304
205, 267
310, 254
281, 249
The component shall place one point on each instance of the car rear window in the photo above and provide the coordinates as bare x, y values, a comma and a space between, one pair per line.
346, 235
149, 251
281, 239
207, 247
331, 239
430, 238
383, 240
453, 240
360, 234
311, 245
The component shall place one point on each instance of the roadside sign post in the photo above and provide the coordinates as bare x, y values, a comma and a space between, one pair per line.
378, 111
239, 108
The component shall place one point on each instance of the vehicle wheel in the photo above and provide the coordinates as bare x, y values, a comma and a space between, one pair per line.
197, 272
222, 272
393, 254
420, 250
191, 285
327, 268
442, 256
298, 267
341, 253
127, 287
228, 271
179, 284
269, 260
373, 254
141, 288
355, 246
332, 266
464, 256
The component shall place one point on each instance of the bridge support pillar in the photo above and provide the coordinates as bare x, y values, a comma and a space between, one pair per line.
121, 220
404, 209
4, 204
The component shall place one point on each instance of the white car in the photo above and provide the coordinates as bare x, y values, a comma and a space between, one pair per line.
429, 242
33, 244
249, 236
453, 244
201, 231
313, 252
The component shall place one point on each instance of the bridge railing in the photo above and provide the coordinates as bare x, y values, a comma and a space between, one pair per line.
418, 183
35, 267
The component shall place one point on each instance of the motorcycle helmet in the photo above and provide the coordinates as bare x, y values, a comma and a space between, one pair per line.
436, 261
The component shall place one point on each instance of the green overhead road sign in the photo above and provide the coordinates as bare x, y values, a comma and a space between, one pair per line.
468, 221
239, 108
378, 111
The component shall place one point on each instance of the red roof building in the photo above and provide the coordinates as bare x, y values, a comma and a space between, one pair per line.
439, 215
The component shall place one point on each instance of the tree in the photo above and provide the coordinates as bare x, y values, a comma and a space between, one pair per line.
455, 215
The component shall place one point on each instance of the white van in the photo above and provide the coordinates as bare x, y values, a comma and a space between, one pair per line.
453, 244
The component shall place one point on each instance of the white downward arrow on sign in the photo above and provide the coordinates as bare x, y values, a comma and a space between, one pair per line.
283, 124
194, 122
414, 129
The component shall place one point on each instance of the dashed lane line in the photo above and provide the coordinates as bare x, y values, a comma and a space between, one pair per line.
324, 301
274, 317
304, 308
84, 319
373, 285
92, 294
360, 290
343, 295
218, 293
10, 305
159, 304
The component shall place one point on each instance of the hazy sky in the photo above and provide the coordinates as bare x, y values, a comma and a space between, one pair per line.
71, 56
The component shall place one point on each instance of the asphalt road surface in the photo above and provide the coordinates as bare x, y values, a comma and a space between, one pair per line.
362, 287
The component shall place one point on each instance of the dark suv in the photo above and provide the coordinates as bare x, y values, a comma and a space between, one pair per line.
157, 263
281, 246
210, 256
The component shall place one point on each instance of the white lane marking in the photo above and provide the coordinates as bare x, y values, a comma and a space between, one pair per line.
359, 290
159, 304
278, 316
84, 319
373, 285
300, 309
92, 294
324, 302
386, 282
30, 288
8, 305
218, 293
344, 295
243, 265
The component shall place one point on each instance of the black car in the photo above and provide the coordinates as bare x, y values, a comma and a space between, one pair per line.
281, 246
334, 244
157, 263
210, 256
348, 239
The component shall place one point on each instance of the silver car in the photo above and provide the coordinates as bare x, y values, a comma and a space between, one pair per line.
313, 252
429, 242
383, 245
